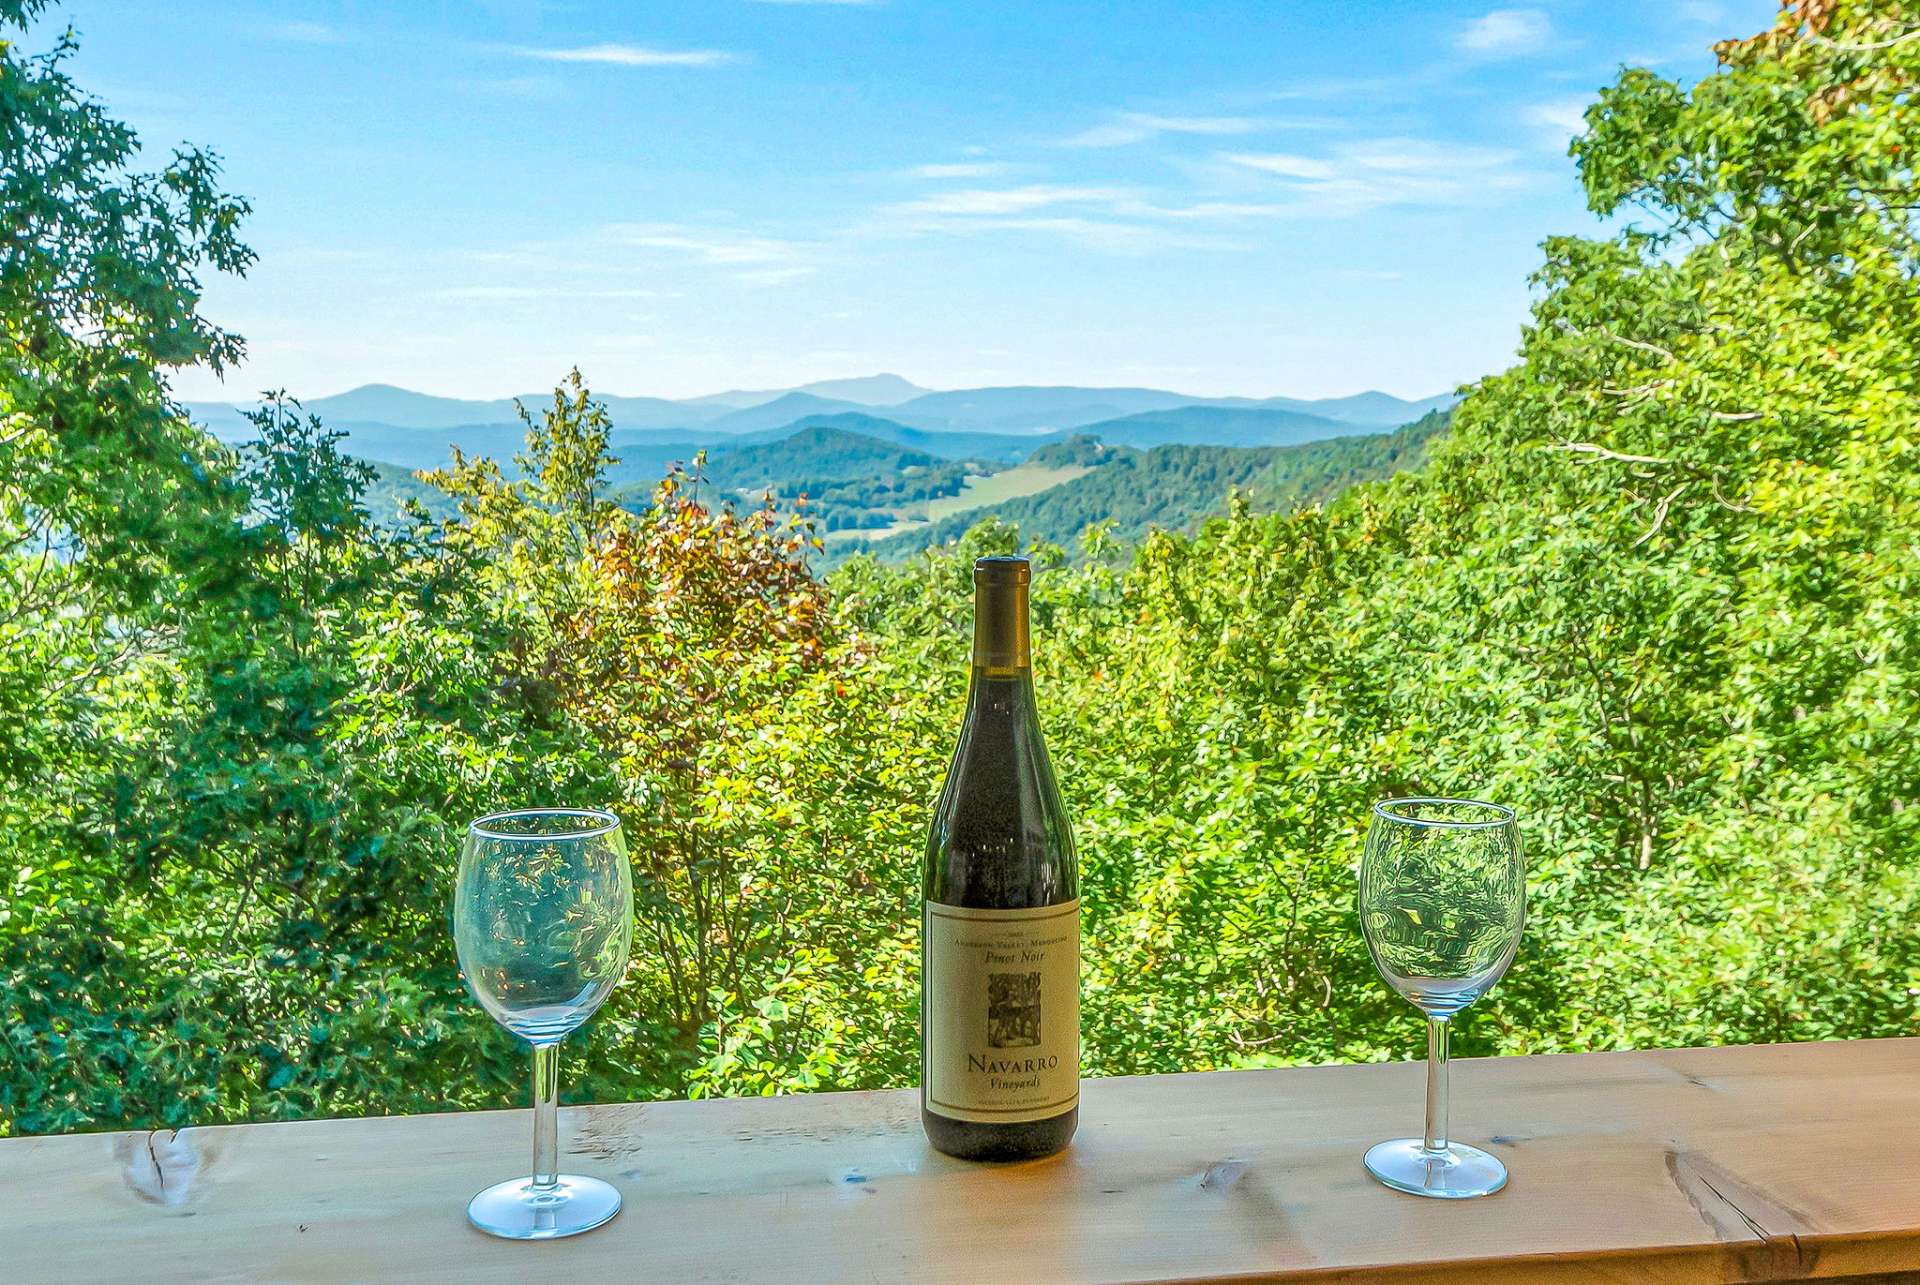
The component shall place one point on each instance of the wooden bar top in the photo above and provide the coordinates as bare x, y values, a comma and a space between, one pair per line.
1730, 1164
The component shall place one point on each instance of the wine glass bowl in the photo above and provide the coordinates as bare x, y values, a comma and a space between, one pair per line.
543, 918
1442, 901
543, 921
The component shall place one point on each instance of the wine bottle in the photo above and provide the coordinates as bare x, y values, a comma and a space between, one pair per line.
1000, 926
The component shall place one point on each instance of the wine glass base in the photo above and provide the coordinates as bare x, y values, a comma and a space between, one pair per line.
1458, 1173
513, 1210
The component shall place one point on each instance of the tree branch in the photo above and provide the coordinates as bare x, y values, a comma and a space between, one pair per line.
1641, 344
1590, 448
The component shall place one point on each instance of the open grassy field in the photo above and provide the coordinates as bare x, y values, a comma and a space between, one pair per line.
871, 533
1009, 484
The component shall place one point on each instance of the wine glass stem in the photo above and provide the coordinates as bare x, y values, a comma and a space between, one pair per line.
546, 1123
1436, 1136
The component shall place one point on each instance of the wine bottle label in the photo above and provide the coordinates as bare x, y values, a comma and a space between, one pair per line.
1001, 1015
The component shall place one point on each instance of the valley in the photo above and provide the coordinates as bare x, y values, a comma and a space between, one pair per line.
908, 468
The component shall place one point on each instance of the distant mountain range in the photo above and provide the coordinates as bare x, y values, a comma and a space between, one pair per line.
886, 465
868, 482
406, 427
867, 390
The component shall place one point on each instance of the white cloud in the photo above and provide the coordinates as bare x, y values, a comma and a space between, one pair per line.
632, 56
1564, 117
1205, 211
1386, 171
960, 169
1282, 163
1338, 87
705, 246
775, 276
755, 260
1010, 200
1112, 220
1506, 32
1422, 156
1137, 127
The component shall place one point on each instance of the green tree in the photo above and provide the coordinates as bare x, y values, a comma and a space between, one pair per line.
107, 502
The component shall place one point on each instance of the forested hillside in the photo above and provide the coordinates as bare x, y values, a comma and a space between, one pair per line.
841, 479
1214, 426
1130, 492
1317, 473
393, 490
1653, 586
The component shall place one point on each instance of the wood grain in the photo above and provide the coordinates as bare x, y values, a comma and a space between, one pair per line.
1696, 1165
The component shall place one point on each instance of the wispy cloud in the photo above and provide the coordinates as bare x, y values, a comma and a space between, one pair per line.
1285, 164
1385, 171
1707, 11
1562, 117
632, 56
1506, 33
1423, 156
776, 276
1010, 200
1204, 211
1107, 200
747, 258
1326, 88
958, 169
706, 245
1137, 127
1110, 220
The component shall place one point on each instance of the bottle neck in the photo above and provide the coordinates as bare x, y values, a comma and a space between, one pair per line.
1000, 637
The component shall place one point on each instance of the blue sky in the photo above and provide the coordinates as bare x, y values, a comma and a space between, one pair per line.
1245, 196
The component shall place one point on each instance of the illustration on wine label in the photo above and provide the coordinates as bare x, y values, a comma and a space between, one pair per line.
1013, 1010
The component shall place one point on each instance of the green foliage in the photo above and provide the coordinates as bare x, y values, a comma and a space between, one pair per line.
1653, 586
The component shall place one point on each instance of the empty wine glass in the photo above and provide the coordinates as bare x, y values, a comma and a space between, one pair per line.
542, 919
1442, 900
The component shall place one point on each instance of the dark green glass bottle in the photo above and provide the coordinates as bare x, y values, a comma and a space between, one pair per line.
1000, 928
